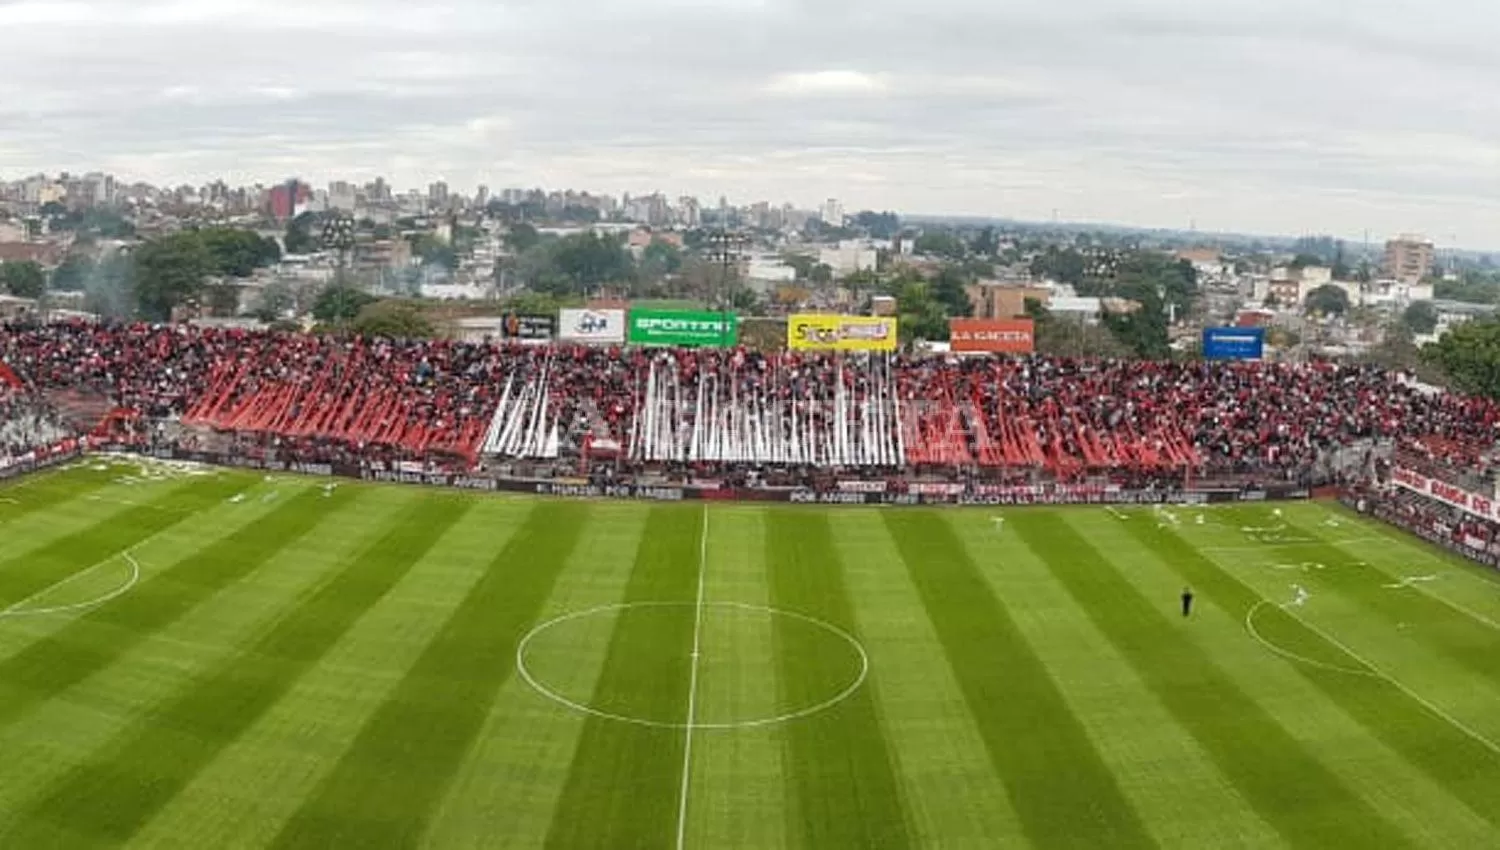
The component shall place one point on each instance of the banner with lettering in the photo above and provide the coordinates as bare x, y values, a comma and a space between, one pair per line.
1472, 503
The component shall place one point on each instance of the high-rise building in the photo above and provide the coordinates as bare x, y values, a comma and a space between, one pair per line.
341, 195
832, 213
437, 195
482, 196
284, 200
1408, 258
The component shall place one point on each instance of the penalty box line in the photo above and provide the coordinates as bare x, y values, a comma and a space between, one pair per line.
1374, 670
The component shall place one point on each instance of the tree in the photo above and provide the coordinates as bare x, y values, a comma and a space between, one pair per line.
538, 304
986, 243
802, 263
1421, 317
393, 319
1472, 287
276, 300
1143, 331
170, 272
921, 315
880, 225
23, 279
1469, 355
521, 237
660, 259
433, 251
73, 274
940, 243
1327, 300
580, 263
821, 273
238, 253
1064, 265
337, 304
948, 288
299, 238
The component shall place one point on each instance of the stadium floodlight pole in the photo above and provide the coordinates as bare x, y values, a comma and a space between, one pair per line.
338, 234
725, 247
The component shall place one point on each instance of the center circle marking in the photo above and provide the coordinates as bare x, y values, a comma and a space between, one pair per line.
785, 717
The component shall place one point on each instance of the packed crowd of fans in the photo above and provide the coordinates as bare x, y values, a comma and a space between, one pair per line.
27, 423
1458, 530
415, 400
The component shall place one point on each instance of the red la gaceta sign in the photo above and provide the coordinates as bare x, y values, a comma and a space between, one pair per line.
995, 336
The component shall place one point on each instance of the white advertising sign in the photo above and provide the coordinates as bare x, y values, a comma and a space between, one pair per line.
598, 327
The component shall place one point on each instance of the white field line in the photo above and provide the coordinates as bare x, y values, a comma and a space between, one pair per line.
692, 706
1261, 547
19, 609
1462, 609
1428, 704
1374, 671
1288, 654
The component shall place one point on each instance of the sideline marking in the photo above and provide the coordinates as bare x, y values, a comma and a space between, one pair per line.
18, 609
1377, 672
1448, 567
787, 717
692, 706
1287, 653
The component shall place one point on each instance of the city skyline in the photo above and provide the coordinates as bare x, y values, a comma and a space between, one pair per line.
1259, 118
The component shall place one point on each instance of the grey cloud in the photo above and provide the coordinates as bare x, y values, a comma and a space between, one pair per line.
1262, 115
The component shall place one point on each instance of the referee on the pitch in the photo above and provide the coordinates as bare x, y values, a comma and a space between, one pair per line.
1187, 601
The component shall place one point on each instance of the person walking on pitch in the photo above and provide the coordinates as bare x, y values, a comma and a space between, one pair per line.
1187, 601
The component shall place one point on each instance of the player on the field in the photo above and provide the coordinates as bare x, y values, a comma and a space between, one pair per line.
1187, 601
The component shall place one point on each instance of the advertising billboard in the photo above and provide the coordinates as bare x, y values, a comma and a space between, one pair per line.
998, 336
1233, 343
527, 328
817, 332
682, 327
595, 327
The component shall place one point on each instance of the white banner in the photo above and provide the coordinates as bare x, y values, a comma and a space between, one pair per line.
1471, 503
599, 327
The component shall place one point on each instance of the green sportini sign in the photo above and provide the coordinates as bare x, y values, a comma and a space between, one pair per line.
682, 327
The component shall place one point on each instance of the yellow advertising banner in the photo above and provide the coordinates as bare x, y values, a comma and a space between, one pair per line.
818, 332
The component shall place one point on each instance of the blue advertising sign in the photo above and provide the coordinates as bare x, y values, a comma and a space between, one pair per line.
1233, 343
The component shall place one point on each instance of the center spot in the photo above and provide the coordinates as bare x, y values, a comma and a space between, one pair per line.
633, 663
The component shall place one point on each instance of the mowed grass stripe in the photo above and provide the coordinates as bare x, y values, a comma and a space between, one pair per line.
387, 785
1450, 758
42, 494
1057, 782
843, 785
1364, 729
30, 573
105, 800
1440, 627
1295, 793
624, 780
101, 636
1180, 794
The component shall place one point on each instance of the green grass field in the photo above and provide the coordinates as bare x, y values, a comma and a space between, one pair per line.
201, 659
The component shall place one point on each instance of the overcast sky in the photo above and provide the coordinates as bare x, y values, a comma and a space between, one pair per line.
1273, 116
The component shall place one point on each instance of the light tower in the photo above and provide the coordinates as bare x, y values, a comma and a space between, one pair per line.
338, 236
726, 248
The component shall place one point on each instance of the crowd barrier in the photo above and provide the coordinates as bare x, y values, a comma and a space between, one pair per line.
1479, 555
39, 459
896, 492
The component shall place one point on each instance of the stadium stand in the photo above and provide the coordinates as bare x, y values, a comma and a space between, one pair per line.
27, 423
714, 408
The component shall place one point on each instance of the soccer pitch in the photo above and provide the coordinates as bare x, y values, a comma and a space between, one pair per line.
206, 658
